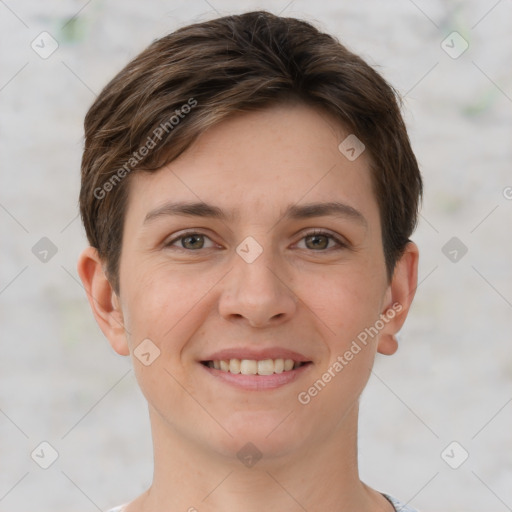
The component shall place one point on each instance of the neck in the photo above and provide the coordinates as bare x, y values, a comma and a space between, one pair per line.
320, 475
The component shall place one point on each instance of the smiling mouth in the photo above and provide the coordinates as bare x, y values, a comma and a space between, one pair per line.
255, 367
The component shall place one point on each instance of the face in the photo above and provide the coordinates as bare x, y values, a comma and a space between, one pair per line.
260, 244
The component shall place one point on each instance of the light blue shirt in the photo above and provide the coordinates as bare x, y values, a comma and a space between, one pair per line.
399, 506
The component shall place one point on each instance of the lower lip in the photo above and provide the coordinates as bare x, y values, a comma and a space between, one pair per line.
257, 382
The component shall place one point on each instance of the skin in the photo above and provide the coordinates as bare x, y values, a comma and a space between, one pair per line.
196, 296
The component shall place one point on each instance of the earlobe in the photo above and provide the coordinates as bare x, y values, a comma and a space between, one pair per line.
388, 344
103, 300
399, 296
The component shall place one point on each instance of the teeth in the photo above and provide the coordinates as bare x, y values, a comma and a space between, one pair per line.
248, 367
234, 365
253, 367
266, 367
278, 365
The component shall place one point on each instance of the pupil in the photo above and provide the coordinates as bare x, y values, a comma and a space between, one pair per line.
193, 237
315, 241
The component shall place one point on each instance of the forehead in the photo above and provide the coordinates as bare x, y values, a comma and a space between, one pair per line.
253, 164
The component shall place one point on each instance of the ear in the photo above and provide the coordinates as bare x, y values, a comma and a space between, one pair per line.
399, 296
104, 302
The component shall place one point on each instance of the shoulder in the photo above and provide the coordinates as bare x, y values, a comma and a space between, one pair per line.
399, 506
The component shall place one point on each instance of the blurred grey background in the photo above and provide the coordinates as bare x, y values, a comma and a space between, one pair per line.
450, 381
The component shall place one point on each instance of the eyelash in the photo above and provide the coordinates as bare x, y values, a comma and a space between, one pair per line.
340, 244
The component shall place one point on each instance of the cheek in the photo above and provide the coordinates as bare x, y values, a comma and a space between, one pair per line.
346, 308
163, 304
345, 301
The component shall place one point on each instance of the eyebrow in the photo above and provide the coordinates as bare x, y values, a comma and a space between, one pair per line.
292, 212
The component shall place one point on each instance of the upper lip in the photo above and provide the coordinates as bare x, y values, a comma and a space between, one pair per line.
259, 355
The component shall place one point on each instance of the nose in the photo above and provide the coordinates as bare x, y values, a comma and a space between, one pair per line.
257, 293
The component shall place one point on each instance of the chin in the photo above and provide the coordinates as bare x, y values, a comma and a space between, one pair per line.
266, 435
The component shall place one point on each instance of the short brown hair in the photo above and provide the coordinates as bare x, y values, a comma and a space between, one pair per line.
203, 73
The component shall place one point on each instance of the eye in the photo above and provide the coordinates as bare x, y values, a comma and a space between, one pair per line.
190, 241
319, 241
